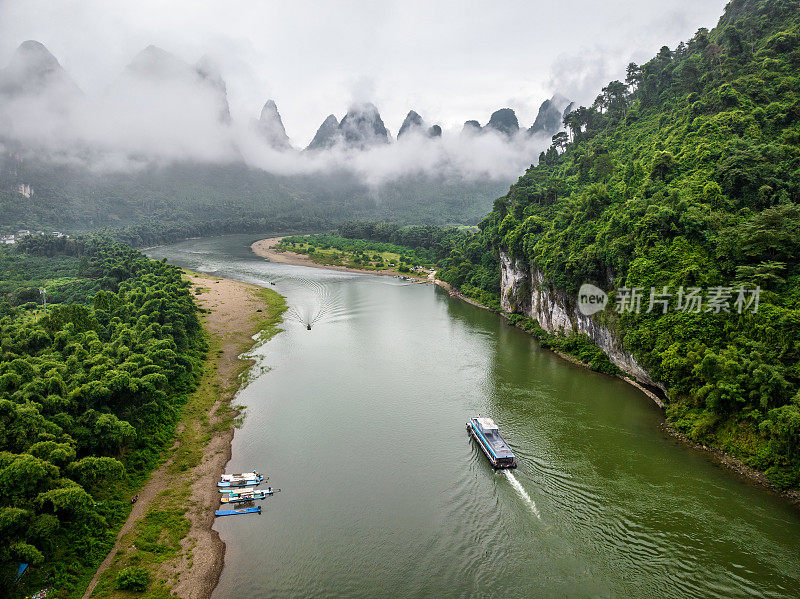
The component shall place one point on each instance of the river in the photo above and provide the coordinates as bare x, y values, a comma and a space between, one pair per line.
360, 423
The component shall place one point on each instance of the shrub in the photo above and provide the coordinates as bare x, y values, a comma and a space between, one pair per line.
133, 578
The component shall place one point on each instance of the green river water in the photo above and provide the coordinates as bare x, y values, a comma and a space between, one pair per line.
360, 423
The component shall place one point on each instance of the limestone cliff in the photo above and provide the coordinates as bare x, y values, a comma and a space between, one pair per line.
523, 290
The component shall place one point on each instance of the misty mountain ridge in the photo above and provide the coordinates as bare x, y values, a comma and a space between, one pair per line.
33, 70
156, 155
549, 120
270, 127
157, 67
363, 127
551, 115
414, 123
163, 119
504, 121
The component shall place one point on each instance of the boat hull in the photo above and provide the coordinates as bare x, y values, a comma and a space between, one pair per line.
239, 483
239, 511
232, 498
493, 460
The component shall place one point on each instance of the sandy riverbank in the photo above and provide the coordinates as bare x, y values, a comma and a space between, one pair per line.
235, 312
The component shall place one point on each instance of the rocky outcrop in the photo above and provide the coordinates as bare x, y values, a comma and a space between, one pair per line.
327, 135
523, 290
471, 127
155, 71
33, 70
550, 118
503, 121
210, 75
270, 126
363, 126
412, 122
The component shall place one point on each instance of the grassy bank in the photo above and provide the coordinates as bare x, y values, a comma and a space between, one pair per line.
171, 544
361, 254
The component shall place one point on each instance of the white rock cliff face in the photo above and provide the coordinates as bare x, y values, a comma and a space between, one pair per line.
523, 291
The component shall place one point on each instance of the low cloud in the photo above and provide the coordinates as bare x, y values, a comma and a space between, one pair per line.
176, 116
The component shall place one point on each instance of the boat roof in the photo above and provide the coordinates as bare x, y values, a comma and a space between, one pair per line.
240, 475
486, 424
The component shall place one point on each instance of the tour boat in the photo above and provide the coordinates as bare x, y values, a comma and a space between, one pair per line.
243, 479
248, 495
236, 512
486, 433
237, 490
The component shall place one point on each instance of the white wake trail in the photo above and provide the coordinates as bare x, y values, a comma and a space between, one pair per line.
522, 492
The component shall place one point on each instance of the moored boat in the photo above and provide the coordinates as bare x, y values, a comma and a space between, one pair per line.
238, 511
243, 479
248, 495
487, 435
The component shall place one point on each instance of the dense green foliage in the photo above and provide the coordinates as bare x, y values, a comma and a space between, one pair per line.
173, 202
687, 174
90, 393
437, 240
23, 275
333, 249
416, 245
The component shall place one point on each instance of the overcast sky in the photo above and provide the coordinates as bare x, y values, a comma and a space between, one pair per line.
451, 60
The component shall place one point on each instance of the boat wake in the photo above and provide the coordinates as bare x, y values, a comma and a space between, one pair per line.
522, 492
318, 303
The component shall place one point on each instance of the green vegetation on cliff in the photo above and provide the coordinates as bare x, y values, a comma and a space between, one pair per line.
90, 393
686, 175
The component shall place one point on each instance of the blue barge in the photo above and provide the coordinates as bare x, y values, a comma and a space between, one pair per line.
487, 435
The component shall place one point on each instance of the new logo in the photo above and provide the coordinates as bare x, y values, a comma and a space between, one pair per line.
591, 299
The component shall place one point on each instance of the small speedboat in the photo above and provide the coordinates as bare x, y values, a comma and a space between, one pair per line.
308, 326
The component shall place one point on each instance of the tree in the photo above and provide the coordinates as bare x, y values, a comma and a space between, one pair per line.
633, 76
560, 140
663, 163
96, 472
600, 103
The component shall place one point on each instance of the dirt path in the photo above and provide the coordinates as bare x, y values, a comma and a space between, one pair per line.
232, 321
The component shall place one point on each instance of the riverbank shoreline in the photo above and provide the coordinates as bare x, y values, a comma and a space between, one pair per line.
716, 456
181, 492
264, 249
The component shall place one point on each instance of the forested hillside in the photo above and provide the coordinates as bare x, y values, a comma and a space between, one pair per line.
685, 175
160, 204
90, 393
